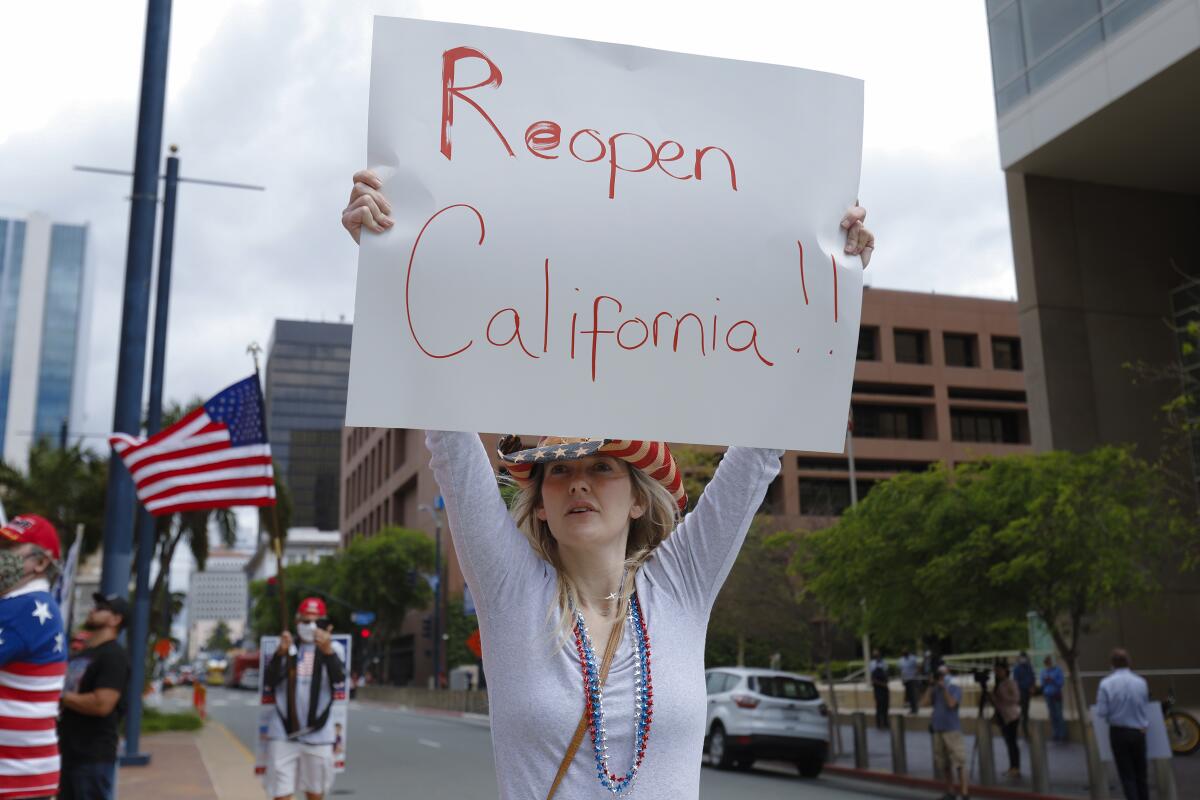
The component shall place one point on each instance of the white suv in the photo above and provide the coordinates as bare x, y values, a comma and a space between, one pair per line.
761, 713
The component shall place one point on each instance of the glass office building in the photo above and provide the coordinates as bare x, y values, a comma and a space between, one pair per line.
308, 370
44, 311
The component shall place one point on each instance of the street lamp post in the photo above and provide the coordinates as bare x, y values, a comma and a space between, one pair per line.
435, 512
140, 628
866, 637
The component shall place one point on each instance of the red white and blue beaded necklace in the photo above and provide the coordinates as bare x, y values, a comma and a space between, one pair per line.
593, 697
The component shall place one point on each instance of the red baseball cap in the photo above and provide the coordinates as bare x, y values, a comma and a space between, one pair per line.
35, 530
312, 605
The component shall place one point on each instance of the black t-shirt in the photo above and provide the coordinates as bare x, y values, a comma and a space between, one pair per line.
81, 737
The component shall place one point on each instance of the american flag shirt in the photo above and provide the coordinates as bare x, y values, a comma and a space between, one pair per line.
33, 661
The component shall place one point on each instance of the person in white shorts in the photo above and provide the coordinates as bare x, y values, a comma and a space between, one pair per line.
302, 681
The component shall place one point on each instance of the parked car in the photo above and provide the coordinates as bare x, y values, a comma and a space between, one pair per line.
762, 713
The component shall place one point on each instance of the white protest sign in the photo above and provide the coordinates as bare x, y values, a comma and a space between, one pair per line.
603, 240
1157, 743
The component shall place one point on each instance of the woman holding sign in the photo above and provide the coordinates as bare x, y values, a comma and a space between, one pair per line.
593, 592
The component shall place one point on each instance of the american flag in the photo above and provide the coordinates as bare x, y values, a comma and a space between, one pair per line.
215, 457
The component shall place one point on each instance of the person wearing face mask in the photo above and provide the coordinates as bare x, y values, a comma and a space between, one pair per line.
93, 704
33, 658
304, 678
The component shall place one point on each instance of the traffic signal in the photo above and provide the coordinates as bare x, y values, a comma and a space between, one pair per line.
272, 586
365, 633
427, 628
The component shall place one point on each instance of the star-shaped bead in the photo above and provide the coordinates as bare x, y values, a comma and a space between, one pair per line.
58, 642
42, 611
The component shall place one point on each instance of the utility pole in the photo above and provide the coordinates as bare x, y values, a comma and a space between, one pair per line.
140, 628
118, 509
866, 637
435, 512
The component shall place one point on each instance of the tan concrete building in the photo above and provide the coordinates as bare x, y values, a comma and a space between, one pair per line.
1098, 119
938, 378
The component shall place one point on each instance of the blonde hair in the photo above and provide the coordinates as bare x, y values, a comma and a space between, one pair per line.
646, 533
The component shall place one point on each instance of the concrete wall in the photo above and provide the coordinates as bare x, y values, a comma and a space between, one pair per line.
1094, 272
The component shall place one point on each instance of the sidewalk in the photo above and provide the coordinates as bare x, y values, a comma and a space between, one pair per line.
1066, 762
209, 764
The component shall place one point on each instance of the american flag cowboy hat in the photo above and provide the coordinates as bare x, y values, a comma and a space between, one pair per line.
653, 458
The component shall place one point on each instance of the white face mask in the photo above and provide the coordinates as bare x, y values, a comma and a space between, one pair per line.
306, 630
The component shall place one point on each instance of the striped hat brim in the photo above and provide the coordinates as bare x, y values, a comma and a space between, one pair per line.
653, 458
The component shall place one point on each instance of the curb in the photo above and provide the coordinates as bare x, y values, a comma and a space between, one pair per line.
928, 783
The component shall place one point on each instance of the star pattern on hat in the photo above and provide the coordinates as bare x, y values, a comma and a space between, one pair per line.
58, 642
560, 452
42, 611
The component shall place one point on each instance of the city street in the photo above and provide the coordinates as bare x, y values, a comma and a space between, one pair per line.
394, 754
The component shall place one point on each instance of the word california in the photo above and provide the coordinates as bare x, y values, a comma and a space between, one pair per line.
662, 330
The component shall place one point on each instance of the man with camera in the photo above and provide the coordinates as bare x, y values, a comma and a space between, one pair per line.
949, 748
303, 679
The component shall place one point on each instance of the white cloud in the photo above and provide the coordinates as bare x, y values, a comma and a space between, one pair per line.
274, 92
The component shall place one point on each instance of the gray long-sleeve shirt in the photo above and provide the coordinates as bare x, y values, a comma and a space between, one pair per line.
535, 689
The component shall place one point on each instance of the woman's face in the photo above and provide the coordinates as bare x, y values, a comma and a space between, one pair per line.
588, 502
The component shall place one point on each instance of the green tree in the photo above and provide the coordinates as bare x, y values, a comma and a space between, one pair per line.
219, 641
1068, 536
756, 614
382, 573
1097, 532
66, 486
698, 466
300, 580
459, 627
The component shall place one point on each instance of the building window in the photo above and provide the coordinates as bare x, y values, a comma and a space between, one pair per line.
1006, 353
962, 349
889, 422
825, 497
912, 347
868, 343
1000, 427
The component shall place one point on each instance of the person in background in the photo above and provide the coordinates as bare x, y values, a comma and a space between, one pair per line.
93, 703
1121, 702
1052, 686
908, 676
1023, 674
300, 754
33, 658
877, 672
1007, 700
949, 748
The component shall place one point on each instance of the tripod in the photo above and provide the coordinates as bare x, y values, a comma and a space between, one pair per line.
985, 699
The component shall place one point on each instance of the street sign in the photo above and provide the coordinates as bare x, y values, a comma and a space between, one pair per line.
362, 618
439, 502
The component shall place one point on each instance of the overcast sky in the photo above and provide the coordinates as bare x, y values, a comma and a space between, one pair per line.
274, 92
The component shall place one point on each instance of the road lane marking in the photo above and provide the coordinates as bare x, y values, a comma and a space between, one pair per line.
374, 729
428, 743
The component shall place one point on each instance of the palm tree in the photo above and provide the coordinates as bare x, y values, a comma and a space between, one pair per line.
66, 486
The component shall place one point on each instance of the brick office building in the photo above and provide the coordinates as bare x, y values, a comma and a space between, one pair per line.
938, 378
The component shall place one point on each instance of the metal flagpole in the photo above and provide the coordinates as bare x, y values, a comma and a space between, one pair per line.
866, 637
145, 533
119, 504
